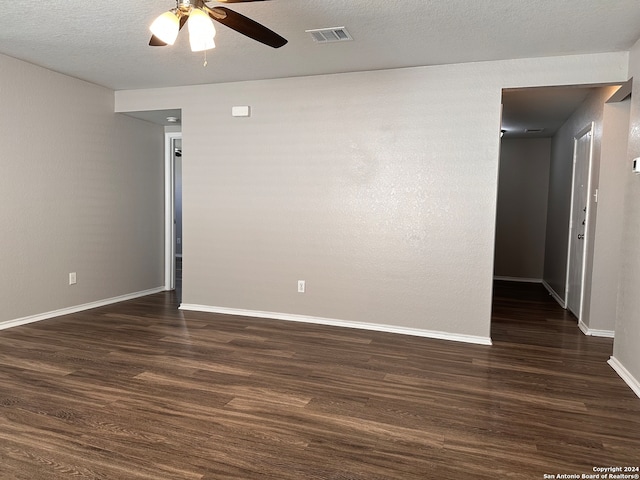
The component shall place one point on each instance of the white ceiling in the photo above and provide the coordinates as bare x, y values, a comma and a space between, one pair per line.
106, 42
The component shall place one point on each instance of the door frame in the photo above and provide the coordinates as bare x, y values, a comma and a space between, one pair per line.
586, 130
169, 209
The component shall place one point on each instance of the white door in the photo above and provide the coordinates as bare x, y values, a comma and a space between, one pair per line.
579, 219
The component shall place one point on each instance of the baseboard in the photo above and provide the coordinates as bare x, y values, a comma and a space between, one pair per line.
517, 279
554, 294
592, 332
625, 375
78, 308
340, 323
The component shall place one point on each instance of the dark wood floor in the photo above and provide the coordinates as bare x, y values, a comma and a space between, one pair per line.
141, 390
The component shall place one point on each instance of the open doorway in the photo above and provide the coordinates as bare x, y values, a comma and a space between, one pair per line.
535, 172
170, 120
540, 127
173, 212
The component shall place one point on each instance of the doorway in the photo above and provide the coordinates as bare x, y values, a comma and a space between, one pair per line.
534, 184
173, 211
540, 127
588, 145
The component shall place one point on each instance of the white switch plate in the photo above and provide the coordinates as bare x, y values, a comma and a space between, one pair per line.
72, 278
301, 286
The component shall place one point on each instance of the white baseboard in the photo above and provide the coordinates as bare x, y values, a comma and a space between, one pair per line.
78, 308
518, 279
592, 332
625, 375
456, 337
554, 294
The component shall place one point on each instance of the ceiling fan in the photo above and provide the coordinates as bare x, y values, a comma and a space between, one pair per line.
198, 15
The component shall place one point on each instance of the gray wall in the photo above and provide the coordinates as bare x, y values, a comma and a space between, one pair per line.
521, 221
80, 191
377, 188
350, 183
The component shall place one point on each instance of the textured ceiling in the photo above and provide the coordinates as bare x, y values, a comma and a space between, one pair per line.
106, 42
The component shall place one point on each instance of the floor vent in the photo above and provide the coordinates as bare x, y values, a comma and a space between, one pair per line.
327, 35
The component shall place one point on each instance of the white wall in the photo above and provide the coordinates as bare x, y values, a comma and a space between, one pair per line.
626, 353
80, 191
521, 222
377, 188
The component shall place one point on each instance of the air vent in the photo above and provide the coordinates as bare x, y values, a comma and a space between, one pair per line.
328, 35
534, 130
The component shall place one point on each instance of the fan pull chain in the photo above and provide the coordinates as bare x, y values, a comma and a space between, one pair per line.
205, 59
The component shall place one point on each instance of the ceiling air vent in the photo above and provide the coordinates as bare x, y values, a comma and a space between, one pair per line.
327, 35
534, 130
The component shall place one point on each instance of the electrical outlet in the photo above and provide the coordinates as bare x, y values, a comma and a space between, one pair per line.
301, 286
72, 278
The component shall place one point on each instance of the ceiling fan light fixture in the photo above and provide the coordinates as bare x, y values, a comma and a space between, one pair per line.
201, 31
166, 27
200, 18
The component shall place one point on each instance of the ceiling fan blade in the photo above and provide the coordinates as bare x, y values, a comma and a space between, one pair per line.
156, 42
246, 26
